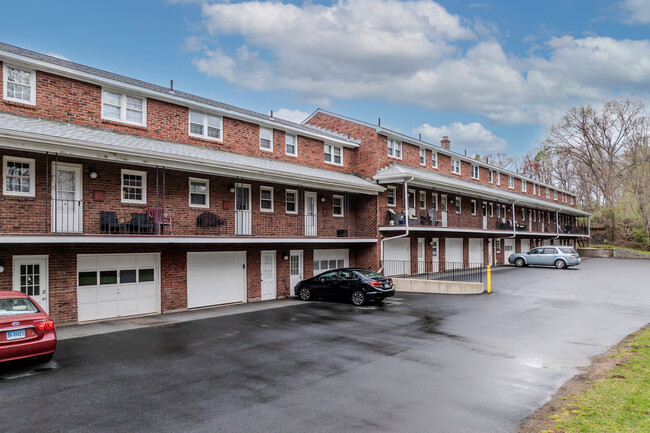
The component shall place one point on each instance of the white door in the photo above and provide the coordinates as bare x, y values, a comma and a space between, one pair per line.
117, 285
243, 213
485, 221
31, 277
422, 264
453, 253
476, 252
269, 287
216, 277
324, 260
443, 210
397, 257
296, 269
530, 221
490, 252
525, 245
66, 198
411, 204
435, 258
311, 214
508, 249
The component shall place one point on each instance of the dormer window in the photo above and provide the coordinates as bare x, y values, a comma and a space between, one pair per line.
394, 148
19, 85
434, 159
423, 156
124, 108
455, 166
266, 139
203, 125
511, 182
475, 171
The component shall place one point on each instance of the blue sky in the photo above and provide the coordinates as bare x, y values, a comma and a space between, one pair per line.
490, 74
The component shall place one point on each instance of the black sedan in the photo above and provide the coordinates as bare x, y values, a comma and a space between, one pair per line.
357, 285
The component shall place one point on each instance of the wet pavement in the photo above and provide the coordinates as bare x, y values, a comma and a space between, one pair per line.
419, 363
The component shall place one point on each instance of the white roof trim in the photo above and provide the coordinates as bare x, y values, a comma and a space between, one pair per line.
151, 239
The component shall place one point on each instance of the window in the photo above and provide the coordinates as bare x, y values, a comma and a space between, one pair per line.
337, 205
199, 192
266, 199
491, 210
455, 166
203, 125
134, 186
333, 154
392, 194
291, 142
434, 159
290, 200
499, 211
124, 108
571, 199
394, 148
19, 85
18, 176
548, 217
539, 190
524, 186
423, 199
511, 182
434, 201
554, 195
534, 188
423, 156
458, 208
266, 139
475, 171
491, 176
498, 178
498, 245
473, 207
523, 214
548, 192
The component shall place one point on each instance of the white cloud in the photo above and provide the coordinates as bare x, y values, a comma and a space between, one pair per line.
636, 11
413, 52
472, 137
291, 115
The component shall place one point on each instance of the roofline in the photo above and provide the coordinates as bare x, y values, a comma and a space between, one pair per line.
403, 137
66, 68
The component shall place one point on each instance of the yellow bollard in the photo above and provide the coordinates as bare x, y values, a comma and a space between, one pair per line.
489, 279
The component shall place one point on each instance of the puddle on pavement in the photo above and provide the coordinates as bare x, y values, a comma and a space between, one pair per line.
19, 369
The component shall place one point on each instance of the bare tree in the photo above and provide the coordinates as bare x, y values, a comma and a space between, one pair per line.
501, 160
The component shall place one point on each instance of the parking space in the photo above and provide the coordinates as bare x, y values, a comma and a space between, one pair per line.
418, 363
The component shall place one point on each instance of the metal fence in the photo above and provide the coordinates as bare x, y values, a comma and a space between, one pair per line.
434, 270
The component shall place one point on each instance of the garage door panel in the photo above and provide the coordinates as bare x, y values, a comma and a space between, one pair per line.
476, 251
107, 262
330, 259
215, 278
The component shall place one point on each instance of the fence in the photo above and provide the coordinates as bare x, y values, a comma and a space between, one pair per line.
433, 270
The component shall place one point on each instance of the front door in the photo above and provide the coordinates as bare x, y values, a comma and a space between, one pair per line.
422, 264
485, 216
443, 210
411, 205
66, 198
31, 277
268, 275
296, 268
243, 214
311, 214
435, 259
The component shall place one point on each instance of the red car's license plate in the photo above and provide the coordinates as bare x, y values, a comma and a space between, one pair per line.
15, 335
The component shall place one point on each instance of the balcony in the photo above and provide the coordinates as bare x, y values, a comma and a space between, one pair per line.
74, 217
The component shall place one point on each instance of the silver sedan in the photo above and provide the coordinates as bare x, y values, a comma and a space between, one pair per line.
560, 257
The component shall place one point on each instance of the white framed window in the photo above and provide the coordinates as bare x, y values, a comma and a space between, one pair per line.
548, 192
391, 194
498, 178
291, 144
434, 201
199, 192
555, 195
394, 148
473, 207
423, 156
572, 200
491, 176
548, 217
291, 198
134, 186
492, 210
205, 125
498, 211
124, 108
524, 185
523, 214
333, 154
266, 139
423, 200
534, 188
18, 177
266, 199
455, 166
475, 171
337, 205
18, 85
498, 245
511, 182
539, 190
434, 159
458, 206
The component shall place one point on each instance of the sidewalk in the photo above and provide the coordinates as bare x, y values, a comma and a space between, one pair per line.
115, 325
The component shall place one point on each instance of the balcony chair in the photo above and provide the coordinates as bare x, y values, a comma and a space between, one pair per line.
432, 217
160, 219
395, 218
108, 223
140, 223
209, 219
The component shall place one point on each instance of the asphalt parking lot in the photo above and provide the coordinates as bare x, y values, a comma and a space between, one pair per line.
419, 363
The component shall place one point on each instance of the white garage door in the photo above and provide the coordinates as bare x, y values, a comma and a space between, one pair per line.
216, 277
453, 253
117, 285
476, 252
397, 257
508, 249
325, 260
525, 245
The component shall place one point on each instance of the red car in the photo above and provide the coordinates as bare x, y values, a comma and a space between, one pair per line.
26, 331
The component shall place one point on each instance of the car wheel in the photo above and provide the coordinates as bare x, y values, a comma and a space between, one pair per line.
520, 262
45, 358
560, 264
358, 298
305, 293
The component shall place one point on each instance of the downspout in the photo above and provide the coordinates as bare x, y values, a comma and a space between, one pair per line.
557, 225
406, 225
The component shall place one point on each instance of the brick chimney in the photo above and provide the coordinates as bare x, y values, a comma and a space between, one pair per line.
445, 143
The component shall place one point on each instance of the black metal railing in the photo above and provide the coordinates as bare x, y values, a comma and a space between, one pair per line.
434, 270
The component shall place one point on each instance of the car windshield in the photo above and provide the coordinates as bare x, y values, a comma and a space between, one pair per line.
15, 306
369, 274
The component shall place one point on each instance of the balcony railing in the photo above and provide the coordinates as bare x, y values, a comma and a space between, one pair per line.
434, 270
28, 216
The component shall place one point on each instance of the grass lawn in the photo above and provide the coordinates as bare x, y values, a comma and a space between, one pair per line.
614, 247
618, 403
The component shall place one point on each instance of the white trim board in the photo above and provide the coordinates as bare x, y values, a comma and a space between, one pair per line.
116, 239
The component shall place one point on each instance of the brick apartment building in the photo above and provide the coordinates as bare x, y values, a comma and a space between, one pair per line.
123, 198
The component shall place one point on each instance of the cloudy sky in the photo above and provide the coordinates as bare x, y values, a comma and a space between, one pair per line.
490, 74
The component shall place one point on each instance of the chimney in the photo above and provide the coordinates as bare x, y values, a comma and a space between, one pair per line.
445, 143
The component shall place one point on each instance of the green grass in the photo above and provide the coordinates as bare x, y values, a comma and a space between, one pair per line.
620, 402
614, 247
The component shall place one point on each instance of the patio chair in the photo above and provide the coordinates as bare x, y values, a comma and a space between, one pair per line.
395, 218
140, 223
160, 219
108, 223
209, 219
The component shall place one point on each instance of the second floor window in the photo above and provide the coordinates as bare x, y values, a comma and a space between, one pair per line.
475, 171
266, 199
291, 199
395, 148
491, 210
423, 199
291, 142
434, 159
458, 207
333, 154
473, 207
455, 166
571, 199
548, 192
266, 139
199, 192
19, 85
524, 186
423, 156
337, 205
18, 176
554, 195
434, 201
491, 176
498, 178
124, 108
205, 126
134, 186
391, 194
511, 182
